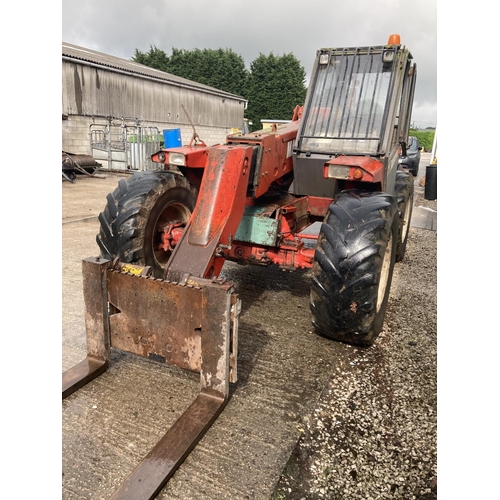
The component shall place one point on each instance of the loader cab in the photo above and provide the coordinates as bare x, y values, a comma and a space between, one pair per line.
358, 104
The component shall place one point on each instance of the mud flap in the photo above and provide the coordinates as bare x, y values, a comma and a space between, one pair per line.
191, 324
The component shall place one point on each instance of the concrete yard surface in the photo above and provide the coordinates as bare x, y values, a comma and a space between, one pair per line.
285, 372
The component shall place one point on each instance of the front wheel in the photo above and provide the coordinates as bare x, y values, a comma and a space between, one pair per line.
144, 218
353, 266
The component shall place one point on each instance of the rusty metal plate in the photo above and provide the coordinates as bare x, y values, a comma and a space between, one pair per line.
156, 319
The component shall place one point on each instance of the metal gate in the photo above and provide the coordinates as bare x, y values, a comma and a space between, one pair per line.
119, 146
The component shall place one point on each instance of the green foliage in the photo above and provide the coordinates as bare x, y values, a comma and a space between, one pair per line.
155, 58
222, 69
425, 138
275, 85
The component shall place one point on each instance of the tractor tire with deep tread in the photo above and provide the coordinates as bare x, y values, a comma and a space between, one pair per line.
129, 223
404, 195
353, 266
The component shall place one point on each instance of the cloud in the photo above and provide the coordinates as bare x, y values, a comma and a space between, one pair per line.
282, 26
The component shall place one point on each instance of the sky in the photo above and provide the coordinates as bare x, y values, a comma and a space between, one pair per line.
300, 27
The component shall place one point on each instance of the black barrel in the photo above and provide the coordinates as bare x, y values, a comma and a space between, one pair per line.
430, 192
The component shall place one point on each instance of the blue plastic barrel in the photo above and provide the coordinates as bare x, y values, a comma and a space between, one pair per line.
172, 137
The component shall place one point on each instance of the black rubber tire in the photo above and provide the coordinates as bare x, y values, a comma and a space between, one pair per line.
353, 262
404, 192
129, 222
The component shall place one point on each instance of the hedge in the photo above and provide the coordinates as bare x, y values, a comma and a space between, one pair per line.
425, 138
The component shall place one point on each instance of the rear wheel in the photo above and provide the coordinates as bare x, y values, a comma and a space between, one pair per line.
353, 266
144, 218
404, 195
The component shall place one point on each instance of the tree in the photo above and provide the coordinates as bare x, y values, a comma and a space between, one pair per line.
155, 58
222, 69
276, 84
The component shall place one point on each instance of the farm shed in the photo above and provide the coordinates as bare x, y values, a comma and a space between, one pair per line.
117, 110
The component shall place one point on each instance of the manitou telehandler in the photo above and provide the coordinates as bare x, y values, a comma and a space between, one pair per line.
164, 236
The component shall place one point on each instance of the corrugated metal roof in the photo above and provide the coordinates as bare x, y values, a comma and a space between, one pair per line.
71, 51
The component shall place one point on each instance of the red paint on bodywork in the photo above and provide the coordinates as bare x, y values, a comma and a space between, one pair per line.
195, 156
298, 258
373, 170
221, 201
276, 155
318, 206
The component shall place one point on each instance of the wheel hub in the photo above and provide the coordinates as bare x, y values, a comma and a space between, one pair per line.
170, 235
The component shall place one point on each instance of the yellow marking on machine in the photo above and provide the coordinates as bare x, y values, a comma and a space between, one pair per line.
135, 270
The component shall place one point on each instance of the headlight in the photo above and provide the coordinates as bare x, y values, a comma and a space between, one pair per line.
176, 159
337, 172
161, 157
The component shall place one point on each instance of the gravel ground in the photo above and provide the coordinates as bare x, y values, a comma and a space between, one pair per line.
373, 434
